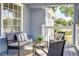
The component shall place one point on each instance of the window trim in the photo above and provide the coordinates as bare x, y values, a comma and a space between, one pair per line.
2, 17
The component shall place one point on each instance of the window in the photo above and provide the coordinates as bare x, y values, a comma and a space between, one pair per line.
12, 19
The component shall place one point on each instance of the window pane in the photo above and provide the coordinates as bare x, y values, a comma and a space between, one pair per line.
10, 22
14, 21
5, 22
5, 12
5, 28
11, 5
19, 22
15, 7
15, 14
10, 13
19, 28
19, 9
9, 29
18, 15
14, 28
5, 5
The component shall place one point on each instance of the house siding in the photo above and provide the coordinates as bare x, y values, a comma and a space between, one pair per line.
36, 22
26, 19
3, 45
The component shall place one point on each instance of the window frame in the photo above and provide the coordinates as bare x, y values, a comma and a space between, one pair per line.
21, 5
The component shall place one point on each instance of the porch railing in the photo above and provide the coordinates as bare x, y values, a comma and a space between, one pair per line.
48, 32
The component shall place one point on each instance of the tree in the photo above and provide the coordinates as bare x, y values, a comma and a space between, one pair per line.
67, 10
64, 23
70, 22
61, 21
58, 21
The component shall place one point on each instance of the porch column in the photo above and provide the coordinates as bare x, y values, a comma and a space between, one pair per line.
75, 23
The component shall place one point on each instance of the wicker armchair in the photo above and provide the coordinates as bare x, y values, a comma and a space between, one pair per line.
55, 49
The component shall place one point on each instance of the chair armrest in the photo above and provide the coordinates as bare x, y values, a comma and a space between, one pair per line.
30, 36
11, 41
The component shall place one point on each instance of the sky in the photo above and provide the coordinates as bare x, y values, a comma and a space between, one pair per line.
60, 15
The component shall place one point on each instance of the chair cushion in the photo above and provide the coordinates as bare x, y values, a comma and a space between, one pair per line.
25, 36
22, 37
20, 43
16, 44
18, 37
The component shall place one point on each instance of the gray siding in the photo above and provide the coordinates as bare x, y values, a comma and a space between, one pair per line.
37, 20
3, 45
26, 19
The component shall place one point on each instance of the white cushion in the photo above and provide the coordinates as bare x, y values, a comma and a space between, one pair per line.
22, 37
20, 43
18, 37
25, 36
16, 44
28, 47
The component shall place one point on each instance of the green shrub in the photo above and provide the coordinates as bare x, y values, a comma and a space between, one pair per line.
40, 39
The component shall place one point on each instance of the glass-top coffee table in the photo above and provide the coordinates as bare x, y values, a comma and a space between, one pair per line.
41, 45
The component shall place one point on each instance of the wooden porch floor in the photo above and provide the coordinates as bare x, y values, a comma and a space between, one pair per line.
68, 51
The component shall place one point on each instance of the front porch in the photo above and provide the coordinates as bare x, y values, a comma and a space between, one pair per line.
37, 20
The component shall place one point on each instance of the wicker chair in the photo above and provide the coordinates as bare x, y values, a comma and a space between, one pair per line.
55, 49
62, 35
59, 36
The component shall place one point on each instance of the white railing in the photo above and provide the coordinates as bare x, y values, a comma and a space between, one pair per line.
47, 32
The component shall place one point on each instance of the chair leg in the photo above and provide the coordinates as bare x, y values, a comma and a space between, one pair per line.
18, 52
18, 49
7, 51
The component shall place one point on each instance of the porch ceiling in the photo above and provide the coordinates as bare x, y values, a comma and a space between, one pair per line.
43, 5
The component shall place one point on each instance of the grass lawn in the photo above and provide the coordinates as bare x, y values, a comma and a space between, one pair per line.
68, 38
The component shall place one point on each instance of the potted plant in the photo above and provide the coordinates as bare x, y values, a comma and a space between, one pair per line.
40, 39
